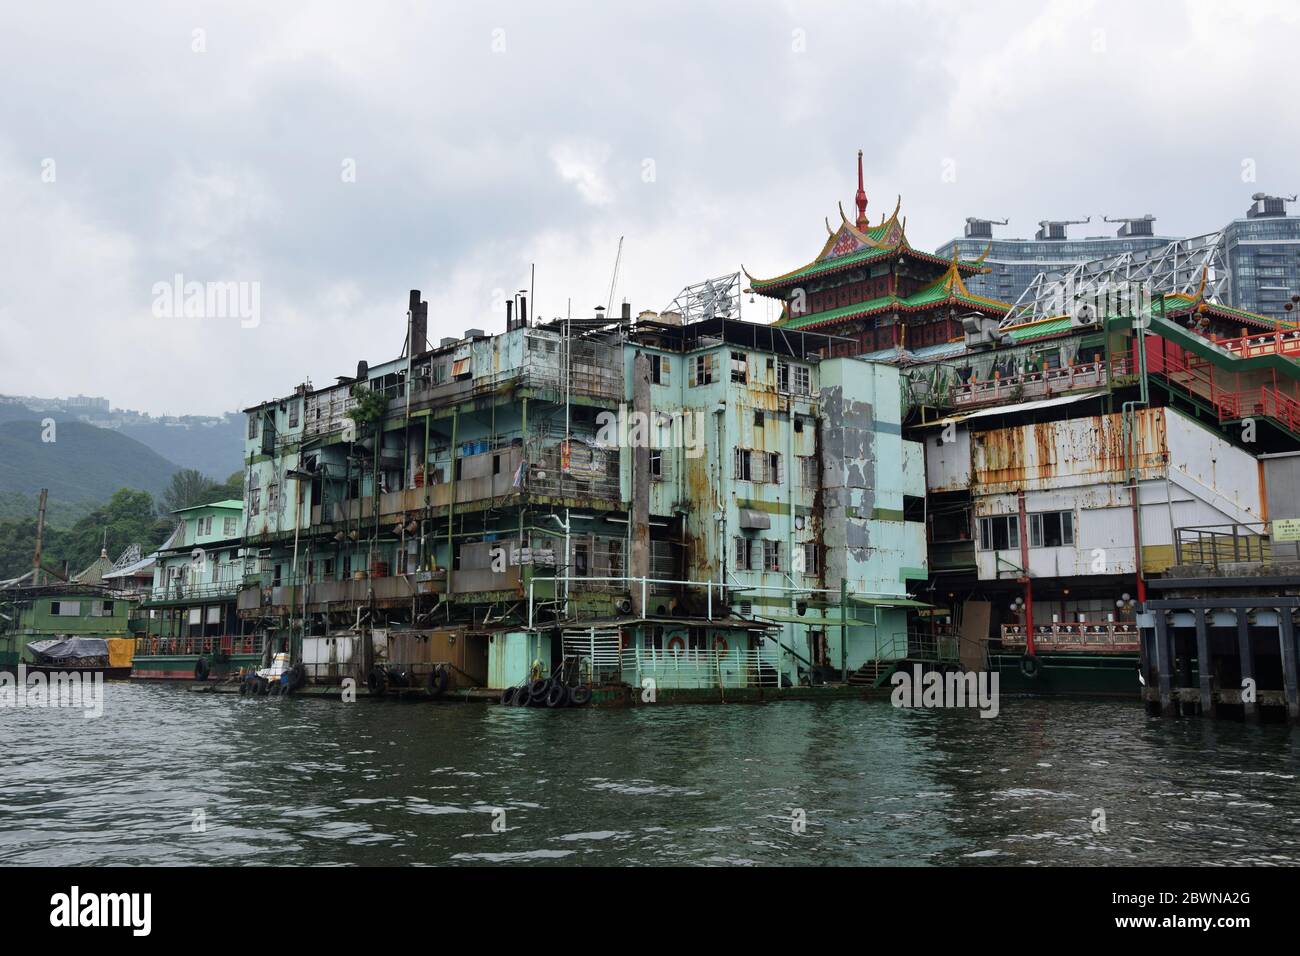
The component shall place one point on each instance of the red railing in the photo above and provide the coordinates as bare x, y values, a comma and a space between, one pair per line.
1280, 342
224, 644
1106, 637
1196, 375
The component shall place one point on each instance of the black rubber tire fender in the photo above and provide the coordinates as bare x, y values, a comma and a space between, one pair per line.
201, 669
1030, 667
557, 695
522, 696
507, 696
580, 696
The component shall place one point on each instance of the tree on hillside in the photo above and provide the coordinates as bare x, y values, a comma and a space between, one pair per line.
189, 487
128, 518
232, 489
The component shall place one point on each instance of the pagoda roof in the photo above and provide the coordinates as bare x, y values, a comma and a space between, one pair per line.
948, 289
849, 246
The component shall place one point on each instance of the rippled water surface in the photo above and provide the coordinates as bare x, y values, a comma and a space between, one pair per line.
309, 782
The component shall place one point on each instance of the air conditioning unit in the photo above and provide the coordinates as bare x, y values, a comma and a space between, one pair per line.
623, 606
1084, 317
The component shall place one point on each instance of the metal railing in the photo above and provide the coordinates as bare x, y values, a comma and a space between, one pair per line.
1036, 384
1216, 545
1112, 636
689, 669
205, 646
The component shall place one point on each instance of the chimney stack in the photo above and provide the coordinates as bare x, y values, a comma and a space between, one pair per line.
418, 326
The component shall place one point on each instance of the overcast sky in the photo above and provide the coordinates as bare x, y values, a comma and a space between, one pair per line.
338, 155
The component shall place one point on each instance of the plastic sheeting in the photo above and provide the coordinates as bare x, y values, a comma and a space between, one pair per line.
70, 648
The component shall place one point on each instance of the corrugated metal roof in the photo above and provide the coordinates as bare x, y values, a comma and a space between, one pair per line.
1014, 409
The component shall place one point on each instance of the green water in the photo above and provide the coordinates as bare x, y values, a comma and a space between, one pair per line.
310, 782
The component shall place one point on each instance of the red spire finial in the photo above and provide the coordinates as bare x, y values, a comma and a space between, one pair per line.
861, 199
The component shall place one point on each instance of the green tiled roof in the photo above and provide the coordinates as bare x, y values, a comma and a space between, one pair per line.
1025, 333
824, 265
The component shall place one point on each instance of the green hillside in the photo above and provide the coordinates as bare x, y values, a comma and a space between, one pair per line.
83, 463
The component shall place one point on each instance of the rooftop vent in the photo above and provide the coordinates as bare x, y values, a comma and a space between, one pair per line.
446, 341
977, 228
1134, 225
1266, 205
474, 333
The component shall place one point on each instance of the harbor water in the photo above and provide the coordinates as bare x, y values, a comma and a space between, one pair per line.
167, 776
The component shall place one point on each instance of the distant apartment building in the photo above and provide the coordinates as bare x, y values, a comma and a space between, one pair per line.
1263, 252
1013, 263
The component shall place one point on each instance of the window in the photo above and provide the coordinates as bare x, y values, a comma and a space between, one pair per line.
757, 466
660, 367
810, 565
808, 471
329, 568
771, 555
744, 554
697, 639
272, 496
1051, 529
580, 561
214, 614
65, 608
999, 532
744, 465
228, 527
796, 379
773, 465
252, 425
656, 463
739, 368
293, 413
654, 639
913, 508
758, 418
702, 370
205, 525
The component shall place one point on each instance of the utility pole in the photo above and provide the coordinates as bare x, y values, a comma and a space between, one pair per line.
40, 535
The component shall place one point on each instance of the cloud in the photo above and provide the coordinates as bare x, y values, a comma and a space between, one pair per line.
485, 140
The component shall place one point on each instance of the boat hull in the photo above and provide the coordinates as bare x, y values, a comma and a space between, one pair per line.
1070, 673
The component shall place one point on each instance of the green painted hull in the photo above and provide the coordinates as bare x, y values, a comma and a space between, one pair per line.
1066, 673
181, 666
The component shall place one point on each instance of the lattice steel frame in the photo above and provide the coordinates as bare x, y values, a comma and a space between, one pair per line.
717, 298
1176, 267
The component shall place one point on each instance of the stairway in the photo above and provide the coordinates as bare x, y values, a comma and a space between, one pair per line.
872, 673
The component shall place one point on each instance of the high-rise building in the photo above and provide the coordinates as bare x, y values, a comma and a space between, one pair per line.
1263, 252
1013, 263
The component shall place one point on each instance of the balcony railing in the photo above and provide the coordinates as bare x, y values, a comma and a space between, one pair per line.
1114, 637
205, 646
1216, 545
1038, 384
178, 591
688, 669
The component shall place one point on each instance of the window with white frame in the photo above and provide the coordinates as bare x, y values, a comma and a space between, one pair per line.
999, 532
205, 525
228, 527
739, 368
808, 471
745, 554
1051, 529
771, 555
810, 565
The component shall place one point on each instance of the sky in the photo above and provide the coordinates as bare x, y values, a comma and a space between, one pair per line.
328, 157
